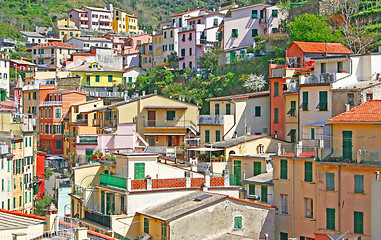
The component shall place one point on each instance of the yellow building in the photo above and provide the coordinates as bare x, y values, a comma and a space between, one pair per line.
124, 22
65, 29
94, 74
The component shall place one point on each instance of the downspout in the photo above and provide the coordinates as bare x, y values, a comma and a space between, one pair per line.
293, 198
331, 140
339, 199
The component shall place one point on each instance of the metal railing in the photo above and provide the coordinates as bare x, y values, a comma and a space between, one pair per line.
51, 103
81, 121
106, 94
211, 120
167, 123
70, 134
45, 55
318, 78
96, 122
102, 219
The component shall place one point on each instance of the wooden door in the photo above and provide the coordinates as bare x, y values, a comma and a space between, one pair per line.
151, 118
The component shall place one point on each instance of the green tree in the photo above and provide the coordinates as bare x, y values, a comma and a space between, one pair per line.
48, 173
208, 60
42, 204
173, 60
311, 28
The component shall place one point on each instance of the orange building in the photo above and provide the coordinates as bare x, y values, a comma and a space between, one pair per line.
52, 111
277, 106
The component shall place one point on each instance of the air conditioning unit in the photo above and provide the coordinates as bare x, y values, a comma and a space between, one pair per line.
254, 197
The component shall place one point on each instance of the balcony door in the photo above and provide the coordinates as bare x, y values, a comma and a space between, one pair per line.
347, 145
151, 118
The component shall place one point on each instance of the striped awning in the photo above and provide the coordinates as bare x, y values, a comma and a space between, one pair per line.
331, 60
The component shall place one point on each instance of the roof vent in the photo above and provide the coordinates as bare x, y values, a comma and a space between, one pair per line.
202, 197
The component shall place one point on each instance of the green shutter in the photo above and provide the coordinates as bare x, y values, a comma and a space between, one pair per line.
305, 101
257, 168
218, 135
139, 170
330, 182
257, 111
276, 89
274, 13
207, 136
109, 78
254, 13
347, 145
308, 171
234, 32
103, 202
227, 108
171, 115
283, 236
264, 194
96, 78
238, 222
276, 115
312, 133
217, 109
146, 225
237, 172
283, 169
359, 184
323, 101
331, 220
359, 222
54, 129
251, 189
254, 32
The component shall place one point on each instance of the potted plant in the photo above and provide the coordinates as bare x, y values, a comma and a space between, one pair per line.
341, 70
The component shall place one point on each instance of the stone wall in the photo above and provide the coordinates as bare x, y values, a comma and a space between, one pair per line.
69, 83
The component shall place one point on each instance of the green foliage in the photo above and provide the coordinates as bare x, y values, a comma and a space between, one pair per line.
48, 173
42, 204
311, 28
208, 60
173, 60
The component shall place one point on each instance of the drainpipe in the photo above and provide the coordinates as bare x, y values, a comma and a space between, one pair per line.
339, 199
293, 198
331, 126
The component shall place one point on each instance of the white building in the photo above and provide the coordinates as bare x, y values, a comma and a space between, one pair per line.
4, 78
33, 38
85, 43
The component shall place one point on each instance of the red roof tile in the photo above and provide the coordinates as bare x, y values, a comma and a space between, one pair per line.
23, 214
255, 203
56, 44
307, 154
319, 47
369, 111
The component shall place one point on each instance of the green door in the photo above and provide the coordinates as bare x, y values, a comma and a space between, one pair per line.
103, 202
139, 171
257, 168
264, 194
3, 95
232, 57
108, 204
237, 172
347, 145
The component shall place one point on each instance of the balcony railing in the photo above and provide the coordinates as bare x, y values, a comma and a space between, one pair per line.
81, 122
322, 78
113, 181
106, 94
88, 139
71, 134
211, 120
167, 123
110, 122
51, 103
102, 219
46, 55
96, 122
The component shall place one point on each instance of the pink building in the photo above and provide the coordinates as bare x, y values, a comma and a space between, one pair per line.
124, 140
131, 48
93, 18
117, 41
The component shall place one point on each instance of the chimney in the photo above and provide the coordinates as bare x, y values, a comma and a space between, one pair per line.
187, 179
149, 183
143, 93
377, 174
299, 148
51, 221
225, 174
207, 178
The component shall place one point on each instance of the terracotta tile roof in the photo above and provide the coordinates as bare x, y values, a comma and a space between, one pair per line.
183, 13
254, 203
56, 44
307, 154
23, 214
237, 96
369, 111
319, 47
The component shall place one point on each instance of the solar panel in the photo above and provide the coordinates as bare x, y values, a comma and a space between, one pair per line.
202, 197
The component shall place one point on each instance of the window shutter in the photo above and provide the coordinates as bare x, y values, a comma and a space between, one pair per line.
283, 169
308, 171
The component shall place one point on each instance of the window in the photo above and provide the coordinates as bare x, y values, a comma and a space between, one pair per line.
257, 111
264, 194
274, 13
276, 115
163, 231
323, 68
234, 32
257, 168
59, 145
146, 225
251, 189
254, 13
237, 222
283, 236
215, 22
171, 115
308, 171
139, 171
358, 222
218, 135
50, 113
369, 96
58, 113
109, 78
217, 109
227, 108
309, 207
190, 37
312, 133
304, 105
359, 184
284, 202
276, 89
292, 111
35, 95
340, 66
29, 96
330, 182
283, 169
97, 78
274, 30
323, 105
331, 219
190, 51
207, 136
254, 32
183, 52
165, 34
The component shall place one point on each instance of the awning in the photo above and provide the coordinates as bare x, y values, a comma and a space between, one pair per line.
205, 149
164, 134
330, 60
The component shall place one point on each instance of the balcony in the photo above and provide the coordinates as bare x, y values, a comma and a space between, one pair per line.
322, 78
110, 122
83, 18
81, 122
354, 156
96, 122
105, 20
168, 123
51, 103
106, 94
113, 181
46, 55
88, 139
262, 21
211, 120
102, 219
